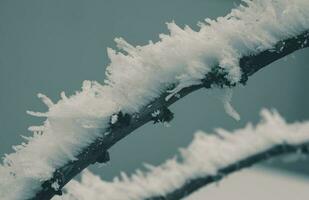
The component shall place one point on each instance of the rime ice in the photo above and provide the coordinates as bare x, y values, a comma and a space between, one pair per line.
206, 154
138, 74
114, 119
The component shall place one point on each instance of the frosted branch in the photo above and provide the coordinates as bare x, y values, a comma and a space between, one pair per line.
209, 158
195, 184
249, 66
143, 80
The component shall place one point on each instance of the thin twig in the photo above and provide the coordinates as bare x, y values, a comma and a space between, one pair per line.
195, 184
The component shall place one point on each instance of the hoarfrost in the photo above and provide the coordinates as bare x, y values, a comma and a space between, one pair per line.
229, 109
114, 119
206, 154
138, 76
155, 113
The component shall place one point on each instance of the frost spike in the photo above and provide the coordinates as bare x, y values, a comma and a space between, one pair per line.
36, 114
46, 100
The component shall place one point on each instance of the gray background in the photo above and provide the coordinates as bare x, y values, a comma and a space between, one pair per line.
52, 46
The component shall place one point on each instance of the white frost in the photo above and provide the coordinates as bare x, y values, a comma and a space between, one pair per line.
206, 154
155, 113
55, 185
229, 109
47, 101
138, 74
114, 119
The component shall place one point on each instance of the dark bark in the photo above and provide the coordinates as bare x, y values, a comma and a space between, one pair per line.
128, 123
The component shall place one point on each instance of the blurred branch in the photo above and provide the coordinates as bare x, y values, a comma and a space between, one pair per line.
97, 151
195, 184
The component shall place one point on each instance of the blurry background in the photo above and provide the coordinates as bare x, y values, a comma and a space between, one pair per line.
51, 46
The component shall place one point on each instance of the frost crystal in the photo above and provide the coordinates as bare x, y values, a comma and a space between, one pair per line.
55, 185
114, 119
229, 109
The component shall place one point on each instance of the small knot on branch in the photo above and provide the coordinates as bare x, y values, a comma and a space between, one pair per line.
217, 76
55, 183
120, 120
103, 157
162, 115
58, 192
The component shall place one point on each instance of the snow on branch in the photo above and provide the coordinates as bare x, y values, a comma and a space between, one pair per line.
144, 80
209, 158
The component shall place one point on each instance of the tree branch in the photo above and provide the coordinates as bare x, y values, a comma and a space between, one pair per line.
198, 183
207, 159
97, 151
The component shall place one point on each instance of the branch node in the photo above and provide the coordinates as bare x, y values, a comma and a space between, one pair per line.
104, 157
217, 76
162, 115
58, 192
120, 120
55, 184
